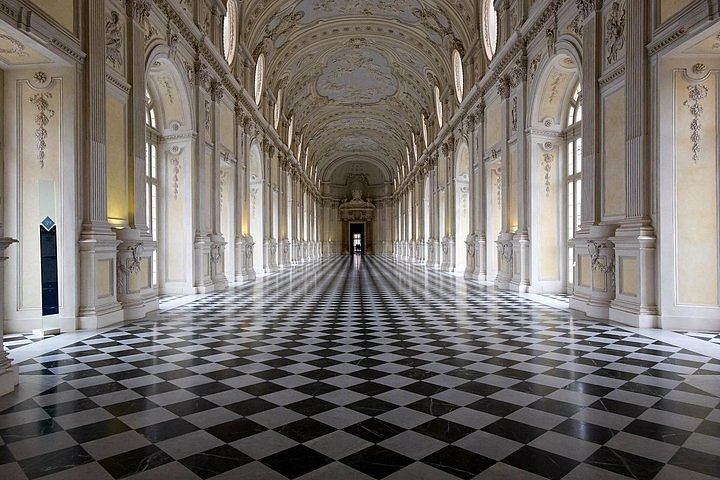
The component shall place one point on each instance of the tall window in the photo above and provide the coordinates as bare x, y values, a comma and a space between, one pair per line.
151, 177
259, 77
459, 75
438, 106
574, 170
490, 28
230, 29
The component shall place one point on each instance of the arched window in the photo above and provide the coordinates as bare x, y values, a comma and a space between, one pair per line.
574, 171
490, 28
230, 29
438, 106
291, 128
152, 137
459, 75
259, 77
278, 106
425, 130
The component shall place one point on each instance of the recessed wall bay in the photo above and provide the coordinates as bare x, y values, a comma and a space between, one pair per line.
696, 177
116, 142
613, 120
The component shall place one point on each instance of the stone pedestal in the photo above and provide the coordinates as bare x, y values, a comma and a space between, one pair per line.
8, 372
285, 261
133, 272
201, 257
270, 255
506, 255
470, 254
634, 274
521, 263
217, 262
594, 287
98, 278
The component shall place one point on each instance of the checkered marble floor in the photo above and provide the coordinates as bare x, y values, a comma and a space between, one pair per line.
366, 368
16, 340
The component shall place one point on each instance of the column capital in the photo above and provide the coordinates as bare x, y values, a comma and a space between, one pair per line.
503, 87
139, 10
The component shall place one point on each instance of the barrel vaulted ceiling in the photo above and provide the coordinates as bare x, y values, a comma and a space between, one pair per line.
358, 75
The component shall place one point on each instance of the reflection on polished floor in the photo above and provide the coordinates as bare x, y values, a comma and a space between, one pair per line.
359, 368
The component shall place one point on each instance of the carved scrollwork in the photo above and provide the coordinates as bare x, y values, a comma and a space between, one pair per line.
129, 267
216, 252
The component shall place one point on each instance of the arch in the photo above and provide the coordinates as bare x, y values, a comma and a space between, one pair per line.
462, 204
565, 63
554, 193
168, 182
256, 204
171, 91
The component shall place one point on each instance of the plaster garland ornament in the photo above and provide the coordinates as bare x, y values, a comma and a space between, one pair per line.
16, 47
615, 31
113, 40
514, 115
208, 118
42, 119
176, 177
547, 166
696, 94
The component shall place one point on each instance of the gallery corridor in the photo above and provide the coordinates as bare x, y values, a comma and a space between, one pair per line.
364, 368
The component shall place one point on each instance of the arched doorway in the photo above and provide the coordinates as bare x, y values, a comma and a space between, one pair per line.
462, 205
255, 184
555, 173
168, 183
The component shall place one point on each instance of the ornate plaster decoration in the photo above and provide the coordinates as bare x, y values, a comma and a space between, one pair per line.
698, 68
114, 40
129, 267
503, 87
547, 166
208, 118
42, 119
514, 114
16, 47
505, 251
280, 30
717, 43
176, 177
615, 31
534, 64
586, 7
216, 252
139, 9
602, 263
576, 26
497, 183
550, 41
696, 94
40, 77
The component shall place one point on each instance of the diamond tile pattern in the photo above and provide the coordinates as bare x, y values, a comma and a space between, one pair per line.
366, 368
